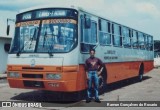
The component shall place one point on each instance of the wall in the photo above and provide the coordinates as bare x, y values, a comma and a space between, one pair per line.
3, 54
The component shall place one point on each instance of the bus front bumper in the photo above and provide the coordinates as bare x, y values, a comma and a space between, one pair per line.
51, 85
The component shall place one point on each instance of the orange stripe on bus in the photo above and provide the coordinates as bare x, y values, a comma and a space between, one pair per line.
27, 23
43, 68
55, 21
74, 77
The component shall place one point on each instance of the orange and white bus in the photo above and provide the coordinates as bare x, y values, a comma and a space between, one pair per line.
51, 44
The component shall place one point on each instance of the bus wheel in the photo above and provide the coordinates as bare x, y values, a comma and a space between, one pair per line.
103, 81
141, 72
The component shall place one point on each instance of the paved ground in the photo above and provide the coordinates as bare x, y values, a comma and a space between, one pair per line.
132, 90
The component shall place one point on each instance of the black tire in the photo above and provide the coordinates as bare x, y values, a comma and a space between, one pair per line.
141, 72
103, 80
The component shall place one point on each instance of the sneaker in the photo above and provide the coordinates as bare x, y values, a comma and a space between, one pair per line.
88, 100
97, 100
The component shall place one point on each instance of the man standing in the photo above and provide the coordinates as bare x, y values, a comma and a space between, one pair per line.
92, 73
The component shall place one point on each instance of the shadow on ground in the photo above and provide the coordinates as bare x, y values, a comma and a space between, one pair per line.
125, 83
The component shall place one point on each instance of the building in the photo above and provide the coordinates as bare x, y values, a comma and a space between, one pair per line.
4, 49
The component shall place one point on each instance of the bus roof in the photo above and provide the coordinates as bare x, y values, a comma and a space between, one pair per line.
77, 8
48, 6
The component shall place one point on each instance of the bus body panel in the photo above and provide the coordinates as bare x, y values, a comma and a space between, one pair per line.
117, 71
67, 83
58, 64
76, 81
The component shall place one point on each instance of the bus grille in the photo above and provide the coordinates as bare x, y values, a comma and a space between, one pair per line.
37, 84
32, 68
32, 75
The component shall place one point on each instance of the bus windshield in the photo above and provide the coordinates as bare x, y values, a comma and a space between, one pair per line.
39, 32
57, 35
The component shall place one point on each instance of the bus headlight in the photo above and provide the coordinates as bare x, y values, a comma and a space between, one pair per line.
14, 75
53, 76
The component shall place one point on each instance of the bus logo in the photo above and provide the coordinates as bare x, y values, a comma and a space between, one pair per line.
32, 63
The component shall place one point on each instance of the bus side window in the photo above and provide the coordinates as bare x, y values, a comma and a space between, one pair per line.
145, 41
149, 43
104, 32
141, 40
116, 35
88, 35
134, 39
126, 37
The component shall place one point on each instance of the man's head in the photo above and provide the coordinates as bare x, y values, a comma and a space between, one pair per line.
92, 53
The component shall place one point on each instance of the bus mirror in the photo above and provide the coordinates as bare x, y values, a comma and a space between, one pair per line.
8, 29
6, 47
87, 23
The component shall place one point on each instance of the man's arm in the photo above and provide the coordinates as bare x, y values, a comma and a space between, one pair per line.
101, 66
86, 69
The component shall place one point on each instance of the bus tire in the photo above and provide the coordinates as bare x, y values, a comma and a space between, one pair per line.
141, 72
103, 81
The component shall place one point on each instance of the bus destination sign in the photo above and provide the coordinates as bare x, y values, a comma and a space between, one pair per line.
47, 13
50, 13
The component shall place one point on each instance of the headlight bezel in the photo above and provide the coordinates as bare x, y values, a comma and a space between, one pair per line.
53, 76
13, 75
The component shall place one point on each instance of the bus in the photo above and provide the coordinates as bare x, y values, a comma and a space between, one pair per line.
51, 44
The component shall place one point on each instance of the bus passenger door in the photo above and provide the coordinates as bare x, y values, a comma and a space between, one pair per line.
88, 39
88, 32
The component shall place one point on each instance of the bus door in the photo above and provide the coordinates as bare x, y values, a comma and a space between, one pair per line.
88, 32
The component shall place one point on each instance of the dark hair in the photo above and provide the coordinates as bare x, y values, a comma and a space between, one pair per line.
92, 50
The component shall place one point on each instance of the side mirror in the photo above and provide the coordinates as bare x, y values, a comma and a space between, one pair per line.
87, 22
7, 47
8, 29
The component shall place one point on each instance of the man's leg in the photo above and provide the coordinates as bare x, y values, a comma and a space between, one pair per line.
96, 87
89, 90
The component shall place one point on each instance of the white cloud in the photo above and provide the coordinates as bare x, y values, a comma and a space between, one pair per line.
142, 15
148, 8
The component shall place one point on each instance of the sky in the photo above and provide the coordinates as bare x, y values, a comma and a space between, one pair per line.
142, 15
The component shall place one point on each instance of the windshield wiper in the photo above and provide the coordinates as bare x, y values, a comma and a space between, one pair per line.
20, 50
49, 46
50, 52
33, 37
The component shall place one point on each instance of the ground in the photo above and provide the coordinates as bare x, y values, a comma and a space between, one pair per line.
132, 90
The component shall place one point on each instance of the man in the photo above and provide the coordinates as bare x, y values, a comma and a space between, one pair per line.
92, 73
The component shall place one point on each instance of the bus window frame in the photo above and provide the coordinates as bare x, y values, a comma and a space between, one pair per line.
103, 31
149, 44
140, 36
124, 29
41, 19
116, 35
134, 32
82, 36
